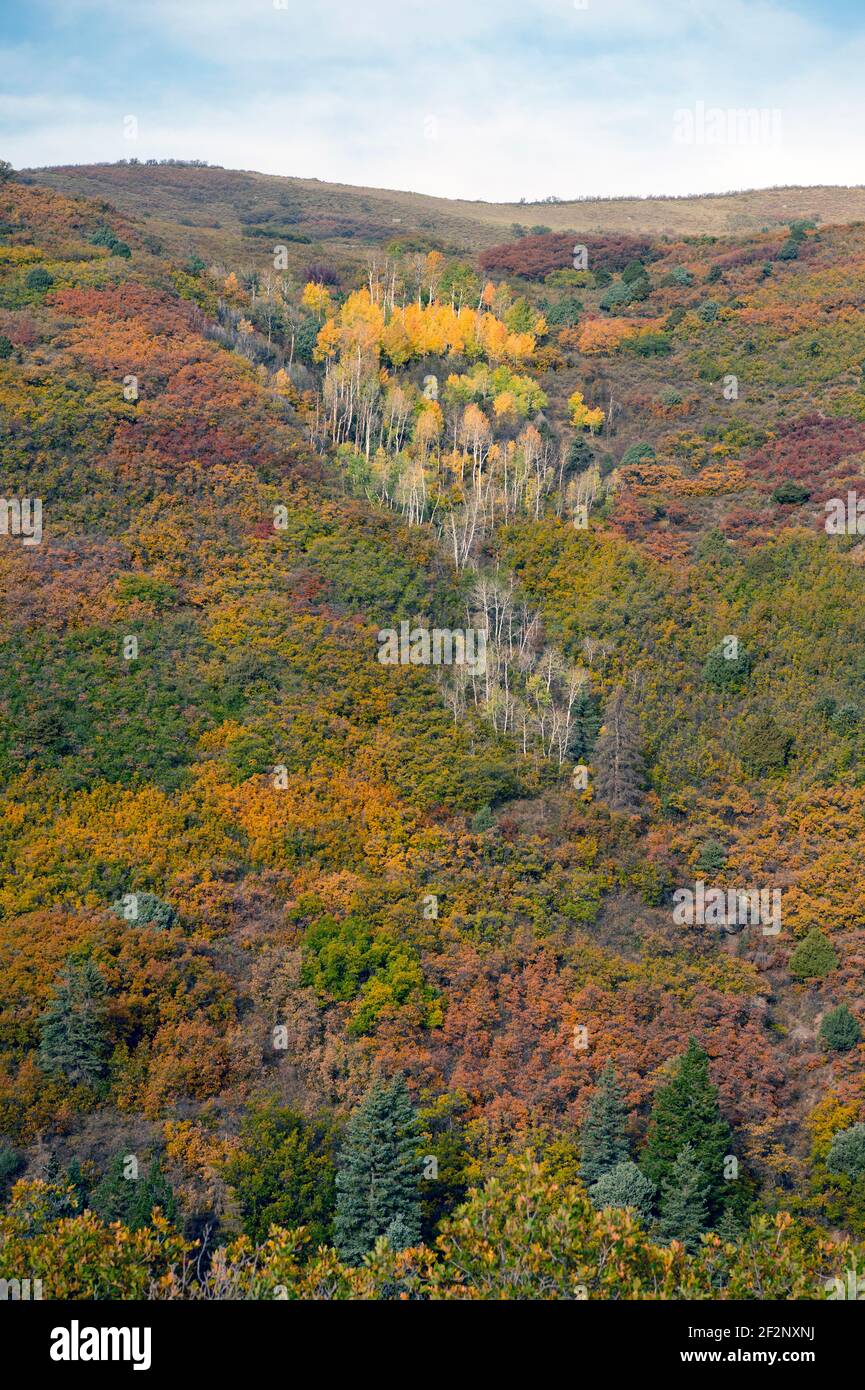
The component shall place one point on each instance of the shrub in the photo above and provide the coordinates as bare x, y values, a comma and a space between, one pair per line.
129, 1199
145, 909
566, 313
305, 340
638, 453
283, 1173
847, 1152
649, 345
624, 1186
790, 493
813, 958
839, 1029
321, 273
725, 672
845, 719
580, 456
764, 747
634, 270
39, 279
712, 857
616, 295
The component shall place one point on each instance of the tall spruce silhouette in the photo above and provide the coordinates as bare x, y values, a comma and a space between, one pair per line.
686, 1111
603, 1143
71, 1028
378, 1176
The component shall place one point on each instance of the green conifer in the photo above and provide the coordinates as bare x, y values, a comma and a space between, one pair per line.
602, 1138
684, 1209
686, 1111
377, 1183
71, 1028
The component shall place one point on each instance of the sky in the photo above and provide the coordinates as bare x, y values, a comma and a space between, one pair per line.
491, 99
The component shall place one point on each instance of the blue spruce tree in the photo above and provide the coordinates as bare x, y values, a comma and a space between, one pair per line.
377, 1182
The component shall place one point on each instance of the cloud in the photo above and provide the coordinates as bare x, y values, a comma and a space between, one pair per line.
467, 98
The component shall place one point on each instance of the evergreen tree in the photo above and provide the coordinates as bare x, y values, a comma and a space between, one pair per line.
686, 1111
11, 1163
585, 723
145, 909
618, 761
132, 1199
839, 1029
726, 672
72, 1031
847, 1153
602, 1138
814, 957
624, 1186
684, 1210
377, 1183
713, 857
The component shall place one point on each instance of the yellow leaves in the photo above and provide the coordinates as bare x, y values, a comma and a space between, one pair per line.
20, 255
826, 1120
357, 328
519, 346
348, 817
362, 320
417, 330
56, 846
475, 431
316, 298
396, 341
582, 416
602, 335
231, 286
492, 336
713, 481
195, 1148
434, 265
430, 422
328, 342
505, 403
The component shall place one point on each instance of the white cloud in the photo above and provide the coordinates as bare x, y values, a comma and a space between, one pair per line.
530, 97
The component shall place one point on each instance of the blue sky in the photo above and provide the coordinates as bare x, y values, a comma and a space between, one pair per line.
496, 99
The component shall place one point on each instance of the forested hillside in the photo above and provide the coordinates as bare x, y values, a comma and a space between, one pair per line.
327, 975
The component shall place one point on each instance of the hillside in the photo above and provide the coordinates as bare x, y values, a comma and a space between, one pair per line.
258, 882
212, 200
